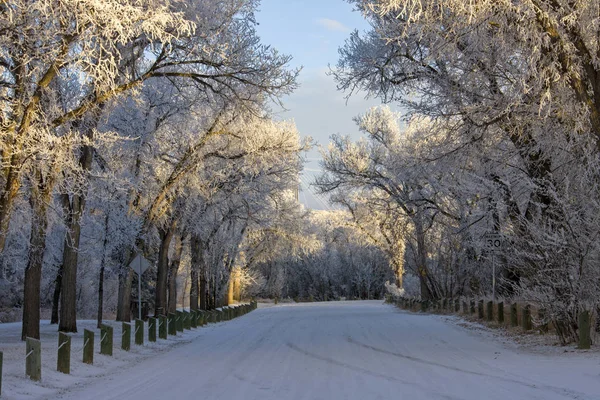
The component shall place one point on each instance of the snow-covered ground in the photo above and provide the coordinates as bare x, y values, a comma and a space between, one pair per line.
329, 351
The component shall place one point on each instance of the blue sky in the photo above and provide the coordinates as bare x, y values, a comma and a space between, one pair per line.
312, 31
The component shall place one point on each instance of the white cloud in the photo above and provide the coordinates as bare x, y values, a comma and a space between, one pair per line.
332, 25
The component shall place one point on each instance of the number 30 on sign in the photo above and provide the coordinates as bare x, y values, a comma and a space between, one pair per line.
493, 241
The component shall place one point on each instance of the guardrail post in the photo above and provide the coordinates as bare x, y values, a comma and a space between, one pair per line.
63, 361
33, 361
139, 332
162, 327
152, 329
514, 315
585, 340
179, 321
126, 336
88, 346
172, 324
187, 323
106, 340
526, 321
501, 312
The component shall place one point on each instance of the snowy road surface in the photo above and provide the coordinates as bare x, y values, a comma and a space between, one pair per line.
348, 350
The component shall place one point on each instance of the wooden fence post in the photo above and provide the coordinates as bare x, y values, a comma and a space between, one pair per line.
585, 340
480, 309
152, 329
126, 336
179, 321
457, 306
63, 361
472, 306
172, 324
33, 359
501, 312
139, 332
490, 311
526, 321
514, 315
162, 327
106, 340
186, 320
88, 346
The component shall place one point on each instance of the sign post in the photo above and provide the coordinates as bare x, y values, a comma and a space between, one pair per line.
139, 265
493, 243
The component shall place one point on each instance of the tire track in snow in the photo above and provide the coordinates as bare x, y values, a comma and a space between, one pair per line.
365, 371
557, 390
455, 348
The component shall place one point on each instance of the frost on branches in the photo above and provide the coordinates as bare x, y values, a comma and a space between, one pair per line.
114, 116
502, 105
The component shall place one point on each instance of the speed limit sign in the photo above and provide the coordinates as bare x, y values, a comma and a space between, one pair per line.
493, 242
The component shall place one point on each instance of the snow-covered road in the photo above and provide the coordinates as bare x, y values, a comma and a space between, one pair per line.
348, 350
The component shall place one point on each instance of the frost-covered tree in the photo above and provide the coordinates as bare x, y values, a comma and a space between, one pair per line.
60, 85
509, 88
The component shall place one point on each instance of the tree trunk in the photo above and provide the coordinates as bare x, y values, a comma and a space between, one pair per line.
237, 284
230, 290
124, 297
203, 289
173, 270
193, 290
160, 300
101, 275
100, 295
56, 296
7, 200
68, 298
397, 262
196, 253
76, 207
423, 271
33, 272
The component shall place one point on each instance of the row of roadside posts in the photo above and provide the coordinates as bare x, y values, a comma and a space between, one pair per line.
160, 328
491, 311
